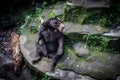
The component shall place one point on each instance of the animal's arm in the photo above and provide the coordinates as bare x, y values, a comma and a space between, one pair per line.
39, 36
59, 53
60, 43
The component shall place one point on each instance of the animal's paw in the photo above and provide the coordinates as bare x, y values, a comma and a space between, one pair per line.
36, 60
51, 67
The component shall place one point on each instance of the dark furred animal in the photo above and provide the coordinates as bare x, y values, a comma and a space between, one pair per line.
52, 41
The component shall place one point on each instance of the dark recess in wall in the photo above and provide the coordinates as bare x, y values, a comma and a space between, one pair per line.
7, 10
10, 8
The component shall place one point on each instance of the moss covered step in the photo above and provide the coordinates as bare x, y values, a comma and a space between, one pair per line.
91, 62
84, 29
113, 32
53, 10
89, 3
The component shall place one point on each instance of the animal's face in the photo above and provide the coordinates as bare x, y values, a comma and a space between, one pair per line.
57, 24
61, 27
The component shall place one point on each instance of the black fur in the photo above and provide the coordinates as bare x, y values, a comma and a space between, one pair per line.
52, 42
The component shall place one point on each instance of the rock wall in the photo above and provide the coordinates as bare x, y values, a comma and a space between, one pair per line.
90, 3
87, 55
11, 59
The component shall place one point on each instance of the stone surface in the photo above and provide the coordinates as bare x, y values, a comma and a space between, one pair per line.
59, 8
84, 29
81, 50
11, 57
97, 65
118, 78
113, 32
89, 3
78, 59
69, 75
52, 11
28, 50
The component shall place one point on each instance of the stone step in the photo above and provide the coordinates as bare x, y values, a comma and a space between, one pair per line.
91, 61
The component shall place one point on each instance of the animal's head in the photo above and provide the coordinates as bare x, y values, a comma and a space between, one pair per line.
54, 23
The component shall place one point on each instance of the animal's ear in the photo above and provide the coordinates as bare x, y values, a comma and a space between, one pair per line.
57, 18
46, 24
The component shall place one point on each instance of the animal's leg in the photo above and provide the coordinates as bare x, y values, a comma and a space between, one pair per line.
54, 60
38, 54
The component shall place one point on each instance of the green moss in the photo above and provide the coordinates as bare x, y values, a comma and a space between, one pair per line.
104, 17
33, 29
38, 11
72, 52
97, 40
36, 75
21, 28
60, 65
81, 19
72, 38
97, 53
75, 14
52, 14
90, 40
62, 17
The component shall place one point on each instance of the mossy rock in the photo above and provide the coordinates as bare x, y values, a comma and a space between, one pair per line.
89, 3
92, 65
